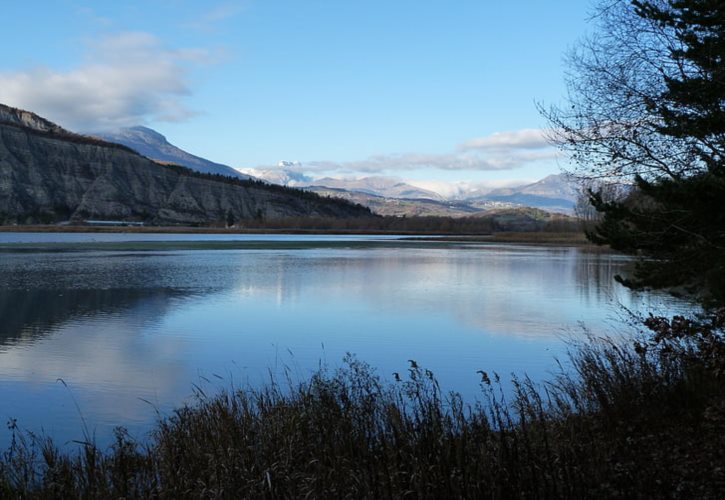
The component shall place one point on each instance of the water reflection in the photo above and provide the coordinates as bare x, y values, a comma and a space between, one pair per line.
31, 313
99, 343
526, 291
122, 328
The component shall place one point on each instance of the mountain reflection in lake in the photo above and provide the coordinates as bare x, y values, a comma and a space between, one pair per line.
130, 332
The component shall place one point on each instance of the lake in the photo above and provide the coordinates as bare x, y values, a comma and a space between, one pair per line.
132, 322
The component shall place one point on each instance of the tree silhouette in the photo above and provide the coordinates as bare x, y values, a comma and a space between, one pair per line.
646, 103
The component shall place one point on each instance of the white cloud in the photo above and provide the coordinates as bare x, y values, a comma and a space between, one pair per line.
527, 138
496, 152
413, 161
461, 189
525, 151
127, 79
209, 20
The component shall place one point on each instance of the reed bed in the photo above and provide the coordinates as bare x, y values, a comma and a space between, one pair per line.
626, 421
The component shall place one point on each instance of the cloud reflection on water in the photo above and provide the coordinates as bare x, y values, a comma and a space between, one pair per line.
122, 326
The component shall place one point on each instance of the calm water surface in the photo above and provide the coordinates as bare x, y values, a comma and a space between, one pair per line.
130, 331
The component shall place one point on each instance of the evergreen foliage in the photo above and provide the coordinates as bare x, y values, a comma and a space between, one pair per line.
647, 101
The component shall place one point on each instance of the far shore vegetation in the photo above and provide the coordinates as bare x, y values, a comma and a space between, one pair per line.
525, 222
570, 232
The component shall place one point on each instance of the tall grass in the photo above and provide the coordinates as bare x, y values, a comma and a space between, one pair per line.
627, 421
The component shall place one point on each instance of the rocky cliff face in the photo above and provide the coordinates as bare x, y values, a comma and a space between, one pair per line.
27, 119
48, 174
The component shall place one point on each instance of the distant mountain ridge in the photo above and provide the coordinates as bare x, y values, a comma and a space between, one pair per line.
388, 187
282, 176
49, 174
552, 186
152, 144
554, 193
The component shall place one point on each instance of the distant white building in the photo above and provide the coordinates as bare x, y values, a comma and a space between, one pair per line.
112, 223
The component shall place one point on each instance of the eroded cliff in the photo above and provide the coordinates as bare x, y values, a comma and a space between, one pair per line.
48, 175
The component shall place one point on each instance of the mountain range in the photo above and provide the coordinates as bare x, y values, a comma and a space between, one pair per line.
382, 194
49, 174
385, 195
555, 193
394, 196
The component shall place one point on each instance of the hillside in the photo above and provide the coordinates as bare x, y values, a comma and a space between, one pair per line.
289, 174
555, 193
397, 207
153, 145
388, 187
48, 174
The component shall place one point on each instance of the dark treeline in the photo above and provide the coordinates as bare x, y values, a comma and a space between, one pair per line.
423, 225
443, 225
485, 224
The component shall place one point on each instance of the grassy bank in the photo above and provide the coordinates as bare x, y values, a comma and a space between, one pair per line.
264, 244
628, 421
535, 237
476, 226
39, 228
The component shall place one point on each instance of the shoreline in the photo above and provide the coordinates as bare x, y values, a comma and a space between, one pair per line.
539, 238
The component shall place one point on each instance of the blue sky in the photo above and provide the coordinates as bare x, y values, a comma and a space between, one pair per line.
436, 90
